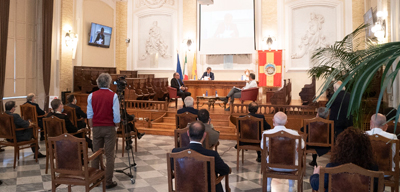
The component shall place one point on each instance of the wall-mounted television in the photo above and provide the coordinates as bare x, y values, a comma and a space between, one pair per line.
100, 35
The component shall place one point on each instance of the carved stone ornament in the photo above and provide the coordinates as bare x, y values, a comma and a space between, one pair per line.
153, 4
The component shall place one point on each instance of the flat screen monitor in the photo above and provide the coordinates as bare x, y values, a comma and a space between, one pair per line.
100, 35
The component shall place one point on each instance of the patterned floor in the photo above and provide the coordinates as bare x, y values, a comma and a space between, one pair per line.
151, 175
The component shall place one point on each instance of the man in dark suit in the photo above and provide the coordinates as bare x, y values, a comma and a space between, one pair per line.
253, 108
339, 109
177, 83
197, 135
58, 108
31, 99
79, 113
23, 135
208, 75
188, 107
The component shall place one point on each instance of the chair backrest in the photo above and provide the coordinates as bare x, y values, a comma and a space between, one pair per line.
383, 154
390, 129
182, 164
249, 94
249, 129
350, 177
320, 132
71, 114
181, 120
53, 126
66, 152
182, 138
28, 112
282, 150
7, 126
172, 92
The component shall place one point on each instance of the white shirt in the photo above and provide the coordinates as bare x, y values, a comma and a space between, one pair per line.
251, 84
380, 132
290, 131
196, 142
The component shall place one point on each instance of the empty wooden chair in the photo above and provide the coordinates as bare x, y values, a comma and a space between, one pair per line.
180, 169
248, 135
320, 133
68, 167
307, 93
181, 120
284, 95
7, 133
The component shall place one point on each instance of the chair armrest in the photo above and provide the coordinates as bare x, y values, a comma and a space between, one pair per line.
81, 131
41, 116
95, 155
81, 119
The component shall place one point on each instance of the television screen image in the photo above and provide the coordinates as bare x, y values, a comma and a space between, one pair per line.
100, 35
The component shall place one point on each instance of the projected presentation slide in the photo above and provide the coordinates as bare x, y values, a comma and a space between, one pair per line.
227, 27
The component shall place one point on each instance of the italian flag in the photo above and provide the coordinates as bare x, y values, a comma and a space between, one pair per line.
185, 71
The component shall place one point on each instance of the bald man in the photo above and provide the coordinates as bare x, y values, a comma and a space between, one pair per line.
280, 120
378, 126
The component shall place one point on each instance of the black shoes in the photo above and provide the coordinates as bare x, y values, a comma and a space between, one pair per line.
258, 159
41, 138
313, 163
140, 135
228, 109
112, 185
40, 155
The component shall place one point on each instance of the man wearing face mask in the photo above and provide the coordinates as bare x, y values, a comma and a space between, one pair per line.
79, 113
31, 99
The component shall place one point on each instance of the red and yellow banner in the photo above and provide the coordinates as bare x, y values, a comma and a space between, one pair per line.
270, 68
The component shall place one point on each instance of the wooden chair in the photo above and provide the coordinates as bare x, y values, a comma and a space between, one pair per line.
284, 95
385, 157
182, 138
28, 113
350, 178
320, 133
54, 126
67, 166
307, 93
249, 94
7, 132
281, 152
173, 95
71, 113
181, 120
180, 167
249, 133
123, 135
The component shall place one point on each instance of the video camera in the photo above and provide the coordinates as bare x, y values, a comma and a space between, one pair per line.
121, 84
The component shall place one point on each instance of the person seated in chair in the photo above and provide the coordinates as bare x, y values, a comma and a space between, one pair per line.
213, 135
79, 113
31, 99
208, 75
323, 113
188, 107
280, 120
23, 135
237, 92
131, 126
197, 135
58, 108
181, 90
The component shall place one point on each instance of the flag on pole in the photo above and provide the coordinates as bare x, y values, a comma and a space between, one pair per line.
194, 68
178, 67
270, 71
185, 70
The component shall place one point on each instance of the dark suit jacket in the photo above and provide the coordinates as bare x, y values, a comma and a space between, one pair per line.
68, 124
341, 121
20, 123
266, 125
39, 111
205, 75
188, 109
79, 114
221, 167
175, 84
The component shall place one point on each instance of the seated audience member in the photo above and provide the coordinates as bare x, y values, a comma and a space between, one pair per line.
23, 135
58, 108
188, 107
213, 135
208, 75
280, 120
181, 90
197, 135
131, 126
253, 108
351, 146
323, 113
339, 109
378, 126
79, 113
31, 99
237, 93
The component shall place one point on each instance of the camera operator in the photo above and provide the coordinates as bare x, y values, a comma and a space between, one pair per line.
104, 115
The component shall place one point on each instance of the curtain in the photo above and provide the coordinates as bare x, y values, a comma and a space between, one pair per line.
47, 17
4, 15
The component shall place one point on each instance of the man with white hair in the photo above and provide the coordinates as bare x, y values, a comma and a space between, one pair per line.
280, 120
339, 109
378, 126
188, 106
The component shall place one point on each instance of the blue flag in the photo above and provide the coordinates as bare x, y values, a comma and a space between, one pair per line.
178, 68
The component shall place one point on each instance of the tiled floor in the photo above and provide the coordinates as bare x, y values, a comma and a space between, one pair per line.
151, 170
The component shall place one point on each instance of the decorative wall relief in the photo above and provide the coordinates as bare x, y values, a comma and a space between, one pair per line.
155, 43
153, 4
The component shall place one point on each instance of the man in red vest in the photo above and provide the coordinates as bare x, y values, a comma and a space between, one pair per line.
104, 115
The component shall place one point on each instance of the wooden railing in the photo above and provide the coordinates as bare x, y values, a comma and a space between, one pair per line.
160, 106
272, 109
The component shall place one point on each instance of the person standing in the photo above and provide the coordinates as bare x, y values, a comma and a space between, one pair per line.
104, 115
